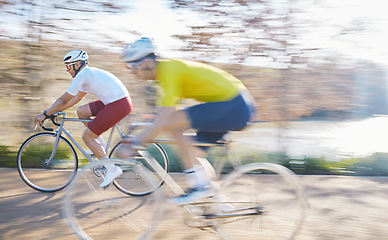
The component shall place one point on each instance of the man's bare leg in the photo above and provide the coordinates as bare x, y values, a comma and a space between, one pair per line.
199, 171
94, 145
84, 112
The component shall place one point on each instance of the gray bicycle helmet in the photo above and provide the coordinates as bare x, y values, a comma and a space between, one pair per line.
138, 50
75, 55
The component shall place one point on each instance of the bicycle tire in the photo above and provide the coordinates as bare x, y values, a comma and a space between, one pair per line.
276, 196
128, 187
39, 175
106, 213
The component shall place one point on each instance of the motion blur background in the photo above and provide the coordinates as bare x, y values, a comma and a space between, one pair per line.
316, 68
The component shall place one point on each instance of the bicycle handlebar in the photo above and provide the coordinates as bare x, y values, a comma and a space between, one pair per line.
52, 118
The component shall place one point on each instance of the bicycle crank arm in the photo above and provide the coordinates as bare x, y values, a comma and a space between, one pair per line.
213, 216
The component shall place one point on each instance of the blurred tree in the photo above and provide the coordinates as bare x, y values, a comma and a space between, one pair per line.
269, 33
246, 30
41, 19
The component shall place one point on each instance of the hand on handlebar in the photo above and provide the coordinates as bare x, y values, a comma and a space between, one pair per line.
39, 120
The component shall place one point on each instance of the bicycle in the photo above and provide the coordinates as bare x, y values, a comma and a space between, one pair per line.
48, 161
216, 159
255, 201
218, 162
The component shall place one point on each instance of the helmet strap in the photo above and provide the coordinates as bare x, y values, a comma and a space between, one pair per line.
79, 69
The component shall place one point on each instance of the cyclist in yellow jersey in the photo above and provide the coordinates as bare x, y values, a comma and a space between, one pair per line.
187, 79
225, 106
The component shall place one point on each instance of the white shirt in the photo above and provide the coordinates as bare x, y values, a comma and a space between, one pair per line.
103, 84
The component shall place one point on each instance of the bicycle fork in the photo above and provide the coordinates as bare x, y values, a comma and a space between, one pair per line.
48, 161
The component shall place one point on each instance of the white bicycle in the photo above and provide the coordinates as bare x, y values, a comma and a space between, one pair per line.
48, 161
255, 201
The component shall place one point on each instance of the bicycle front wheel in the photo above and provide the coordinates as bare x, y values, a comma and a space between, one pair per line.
127, 181
106, 213
269, 198
38, 170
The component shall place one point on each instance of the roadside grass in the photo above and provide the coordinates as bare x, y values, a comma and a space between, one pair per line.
372, 165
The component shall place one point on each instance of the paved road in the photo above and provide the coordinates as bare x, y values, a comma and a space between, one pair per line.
28, 214
340, 208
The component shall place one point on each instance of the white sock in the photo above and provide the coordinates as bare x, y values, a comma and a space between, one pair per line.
199, 176
191, 177
208, 169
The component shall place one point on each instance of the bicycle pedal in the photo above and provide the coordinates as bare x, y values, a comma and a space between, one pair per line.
107, 186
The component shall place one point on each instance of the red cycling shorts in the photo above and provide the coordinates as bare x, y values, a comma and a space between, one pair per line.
106, 116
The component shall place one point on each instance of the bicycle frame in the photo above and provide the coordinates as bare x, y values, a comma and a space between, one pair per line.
61, 129
162, 173
219, 161
173, 185
204, 214
218, 165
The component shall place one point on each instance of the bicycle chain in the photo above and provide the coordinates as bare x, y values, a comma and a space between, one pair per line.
203, 220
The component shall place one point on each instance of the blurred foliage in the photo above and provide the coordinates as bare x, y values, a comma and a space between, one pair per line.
173, 157
35, 155
266, 32
7, 157
29, 87
376, 164
373, 165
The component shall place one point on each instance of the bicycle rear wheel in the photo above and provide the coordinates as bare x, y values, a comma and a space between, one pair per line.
41, 174
270, 199
127, 181
106, 213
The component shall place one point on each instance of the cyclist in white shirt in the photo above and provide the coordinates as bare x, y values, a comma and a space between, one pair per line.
113, 105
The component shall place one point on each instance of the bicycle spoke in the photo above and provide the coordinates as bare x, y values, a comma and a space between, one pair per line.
140, 189
273, 193
101, 213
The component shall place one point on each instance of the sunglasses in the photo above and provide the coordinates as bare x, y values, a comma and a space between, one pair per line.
134, 65
68, 66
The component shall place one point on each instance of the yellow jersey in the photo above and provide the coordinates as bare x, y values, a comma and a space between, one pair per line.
187, 79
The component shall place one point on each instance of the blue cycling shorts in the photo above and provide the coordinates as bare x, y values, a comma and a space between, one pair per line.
213, 120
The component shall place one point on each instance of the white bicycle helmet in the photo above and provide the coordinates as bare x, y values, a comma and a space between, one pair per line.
138, 50
75, 55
